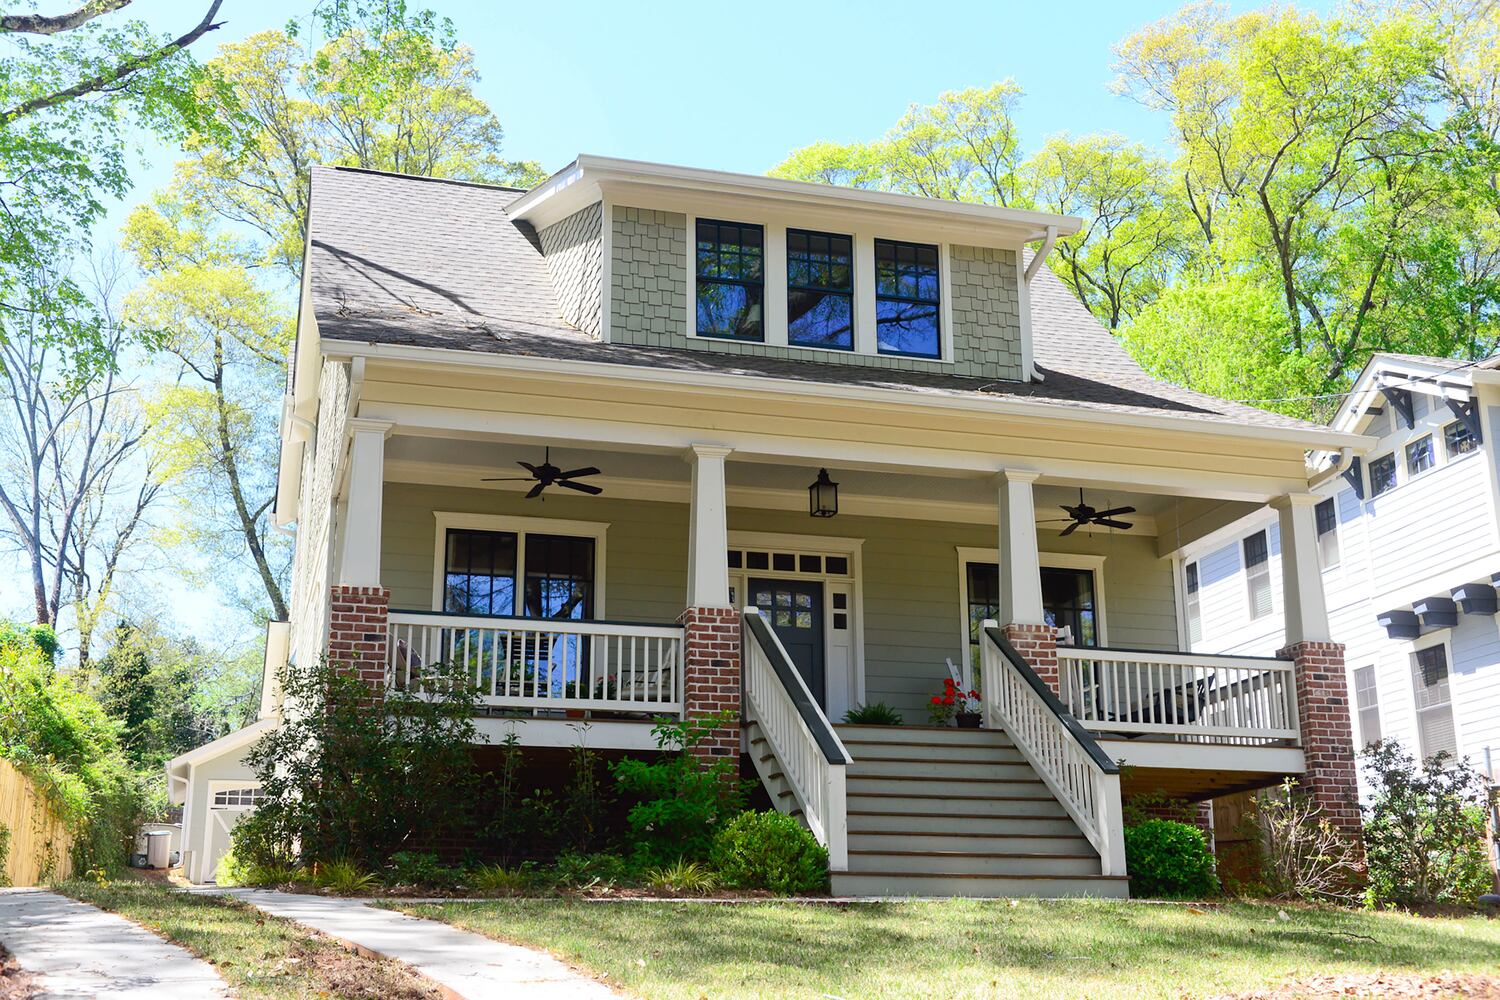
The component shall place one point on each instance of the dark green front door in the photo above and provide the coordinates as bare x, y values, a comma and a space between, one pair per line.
795, 611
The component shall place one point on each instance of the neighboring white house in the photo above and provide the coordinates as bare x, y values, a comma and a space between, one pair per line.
650, 439
1409, 551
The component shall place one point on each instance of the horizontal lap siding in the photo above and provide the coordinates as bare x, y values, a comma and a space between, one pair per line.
1475, 682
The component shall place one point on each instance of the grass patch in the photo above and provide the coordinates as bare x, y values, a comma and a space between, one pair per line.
970, 948
258, 955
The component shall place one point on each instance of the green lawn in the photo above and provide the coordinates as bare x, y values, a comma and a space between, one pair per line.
963, 948
258, 956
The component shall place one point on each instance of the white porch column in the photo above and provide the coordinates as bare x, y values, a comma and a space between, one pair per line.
1301, 571
708, 529
360, 562
1020, 564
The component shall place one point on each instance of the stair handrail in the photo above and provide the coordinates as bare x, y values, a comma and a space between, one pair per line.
811, 755
1081, 776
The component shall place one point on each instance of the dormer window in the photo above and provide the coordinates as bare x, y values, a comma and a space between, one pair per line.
907, 299
819, 290
731, 280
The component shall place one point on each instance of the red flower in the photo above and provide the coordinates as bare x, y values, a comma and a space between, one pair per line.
948, 699
936, 700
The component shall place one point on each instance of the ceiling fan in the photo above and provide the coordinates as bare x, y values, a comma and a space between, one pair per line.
1083, 514
548, 474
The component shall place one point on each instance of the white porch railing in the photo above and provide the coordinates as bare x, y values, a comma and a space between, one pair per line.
1220, 699
1083, 779
531, 663
810, 754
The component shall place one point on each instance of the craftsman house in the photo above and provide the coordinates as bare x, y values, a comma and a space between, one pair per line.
649, 439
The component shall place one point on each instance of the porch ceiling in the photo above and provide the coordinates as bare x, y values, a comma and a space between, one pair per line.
664, 475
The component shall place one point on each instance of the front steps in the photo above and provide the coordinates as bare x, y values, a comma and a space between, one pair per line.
956, 812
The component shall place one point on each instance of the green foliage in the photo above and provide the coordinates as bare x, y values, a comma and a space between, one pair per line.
498, 878
1424, 830
770, 850
24, 638
589, 871
1304, 856
421, 869
1169, 860
60, 738
680, 802
350, 777
342, 876
689, 878
877, 713
4, 855
586, 798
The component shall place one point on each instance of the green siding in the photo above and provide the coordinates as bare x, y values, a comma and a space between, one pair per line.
912, 619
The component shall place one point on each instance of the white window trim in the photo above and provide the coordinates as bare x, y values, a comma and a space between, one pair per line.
1184, 617
1441, 637
1046, 560
852, 687
521, 526
774, 300
1357, 711
217, 785
1338, 536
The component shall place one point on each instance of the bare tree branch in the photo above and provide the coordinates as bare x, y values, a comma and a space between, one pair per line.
53, 24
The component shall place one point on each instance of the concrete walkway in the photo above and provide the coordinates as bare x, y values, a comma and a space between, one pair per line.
80, 952
468, 965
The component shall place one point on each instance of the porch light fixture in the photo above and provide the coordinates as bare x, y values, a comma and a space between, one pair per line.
823, 496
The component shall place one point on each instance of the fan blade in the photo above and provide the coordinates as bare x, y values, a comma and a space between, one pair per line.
536, 490
1111, 523
590, 471
1115, 510
528, 467
592, 491
1070, 529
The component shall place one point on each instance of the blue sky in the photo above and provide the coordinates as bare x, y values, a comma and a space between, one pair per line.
727, 86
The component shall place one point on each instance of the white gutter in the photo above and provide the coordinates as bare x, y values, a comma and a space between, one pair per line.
1037, 259
1339, 467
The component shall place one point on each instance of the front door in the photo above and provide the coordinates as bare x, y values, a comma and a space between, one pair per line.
795, 611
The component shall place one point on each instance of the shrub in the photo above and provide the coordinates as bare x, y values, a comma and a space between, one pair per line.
1305, 856
498, 878
681, 803
342, 876
770, 850
587, 871
1169, 860
346, 777
1424, 829
687, 877
4, 856
585, 799
877, 713
421, 869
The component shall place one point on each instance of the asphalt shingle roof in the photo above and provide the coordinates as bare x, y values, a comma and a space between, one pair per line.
430, 263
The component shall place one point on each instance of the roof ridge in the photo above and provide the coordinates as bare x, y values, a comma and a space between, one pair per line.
419, 177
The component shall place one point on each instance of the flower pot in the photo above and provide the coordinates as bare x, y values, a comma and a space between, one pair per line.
967, 720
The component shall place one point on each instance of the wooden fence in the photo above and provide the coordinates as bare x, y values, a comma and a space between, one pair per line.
41, 848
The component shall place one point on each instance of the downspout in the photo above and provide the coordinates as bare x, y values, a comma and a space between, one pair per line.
1339, 467
1037, 259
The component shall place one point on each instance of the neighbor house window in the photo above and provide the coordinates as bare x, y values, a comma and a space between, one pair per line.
1382, 474
819, 290
1328, 533
1367, 705
1193, 604
1434, 701
481, 573
731, 280
1258, 575
1419, 455
907, 299
1458, 439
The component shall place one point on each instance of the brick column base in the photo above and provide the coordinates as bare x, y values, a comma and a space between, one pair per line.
1037, 645
713, 680
358, 633
1327, 734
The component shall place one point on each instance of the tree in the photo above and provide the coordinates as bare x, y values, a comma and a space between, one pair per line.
211, 431
73, 92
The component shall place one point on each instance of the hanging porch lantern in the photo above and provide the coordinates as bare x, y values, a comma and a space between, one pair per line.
823, 496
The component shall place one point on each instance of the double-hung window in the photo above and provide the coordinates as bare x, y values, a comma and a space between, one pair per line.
730, 280
1382, 474
908, 299
1435, 730
1419, 455
1193, 604
1258, 575
556, 578
819, 290
1328, 532
1458, 439
1367, 705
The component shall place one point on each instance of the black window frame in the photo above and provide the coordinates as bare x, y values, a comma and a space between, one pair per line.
1430, 450
823, 291
936, 302
1377, 486
702, 280
449, 538
1326, 516
1258, 573
1459, 440
1192, 587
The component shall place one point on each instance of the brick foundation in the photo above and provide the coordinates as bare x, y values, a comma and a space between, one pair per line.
1037, 645
357, 633
711, 657
1327, 734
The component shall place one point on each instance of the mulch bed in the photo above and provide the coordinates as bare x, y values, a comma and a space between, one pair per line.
1381, 984
353, 976
15, 982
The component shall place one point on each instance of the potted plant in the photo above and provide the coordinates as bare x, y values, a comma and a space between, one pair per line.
955, 704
